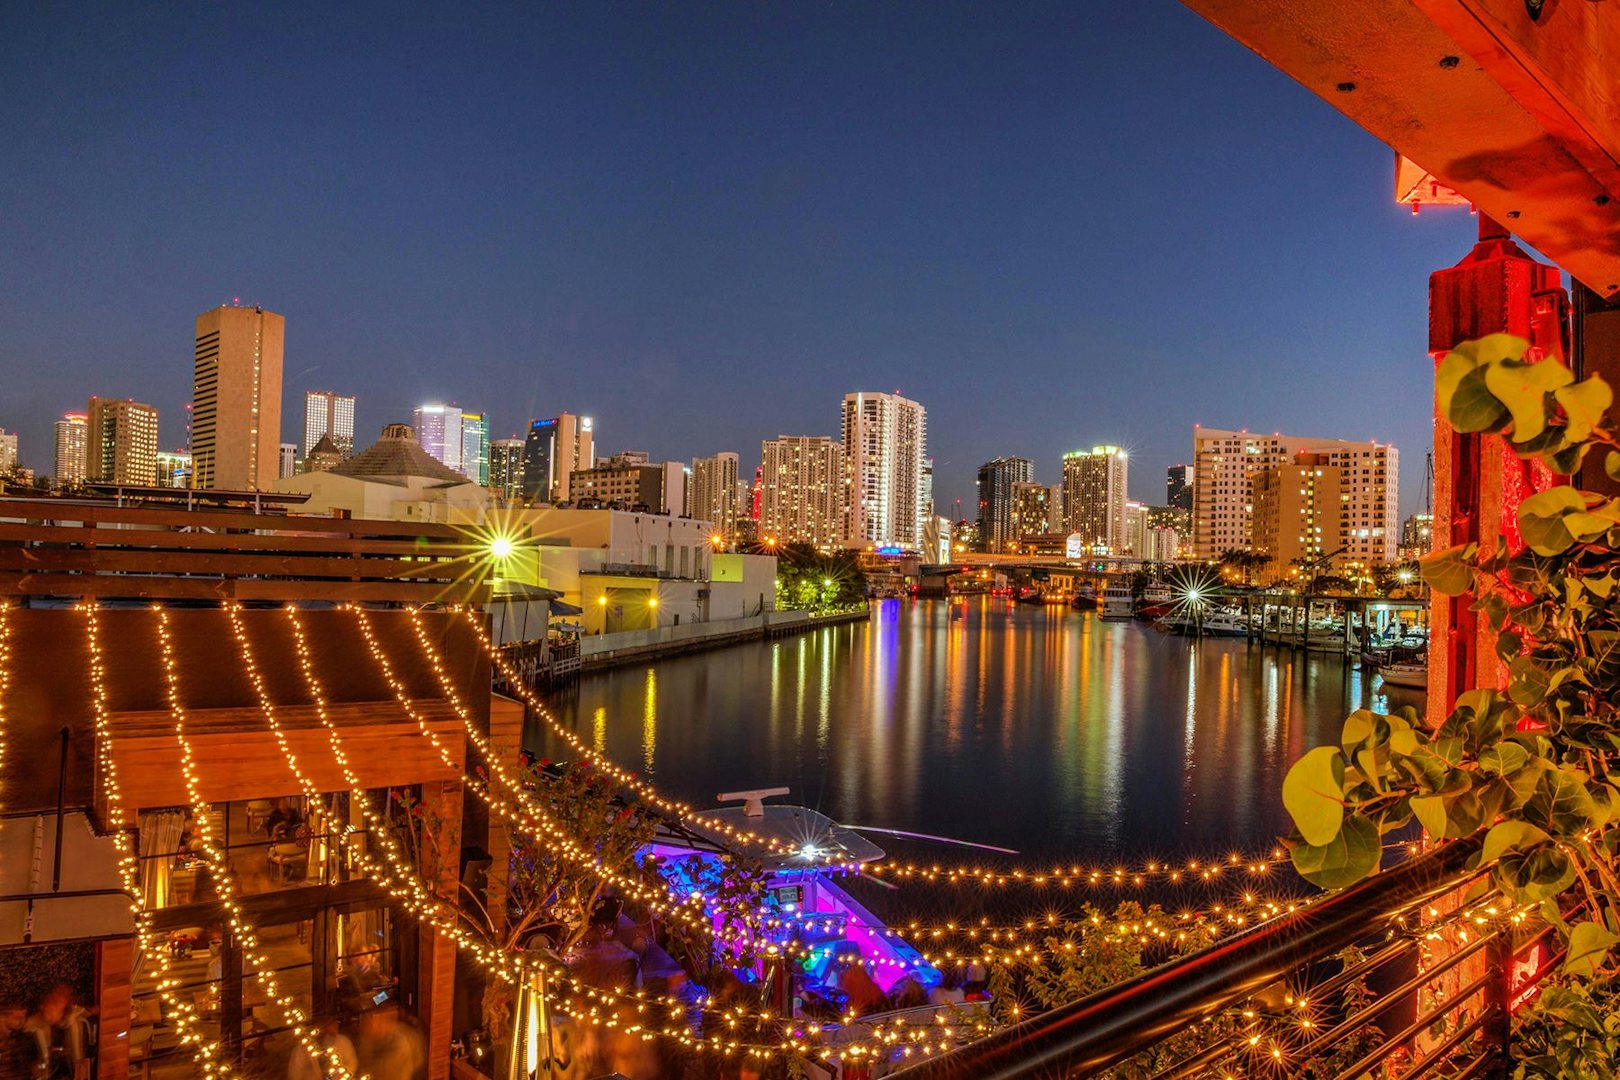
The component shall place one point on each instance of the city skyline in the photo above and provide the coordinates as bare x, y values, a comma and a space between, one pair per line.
982, 299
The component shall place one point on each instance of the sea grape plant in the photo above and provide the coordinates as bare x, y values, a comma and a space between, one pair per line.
1536, 763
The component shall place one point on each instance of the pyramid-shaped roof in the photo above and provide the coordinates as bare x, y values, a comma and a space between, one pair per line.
396, 455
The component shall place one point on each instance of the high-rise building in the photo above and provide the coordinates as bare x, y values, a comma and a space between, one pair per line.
438, 431
331, 414
1297, 515
1163, 545
71, 449
288, 461
997, 481
1094, 484
174, 468
1178, 488
554, 450
8, 451
801, 486
624, 481
506, 468
1036, 509
885, 443
1225, 463
121, 442
714, 492
1136, 528
236, 399
475, 447
1417, 536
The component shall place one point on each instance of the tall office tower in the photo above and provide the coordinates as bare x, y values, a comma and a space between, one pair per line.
677, 488
327, 413
1417, 536
1225, 463
555, 450
174, 468
438, 430
236, 399
71, 449
714, 492
997, 481
885, 442
121, 442
506, 468
1296, 515
8, 450
927, 489
802, 486
287, 463
1178, 487
1094, 496
475, 447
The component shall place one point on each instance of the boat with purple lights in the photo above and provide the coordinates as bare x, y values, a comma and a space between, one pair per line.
830, 963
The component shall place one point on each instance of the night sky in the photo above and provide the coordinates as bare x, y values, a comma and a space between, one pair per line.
1054, 224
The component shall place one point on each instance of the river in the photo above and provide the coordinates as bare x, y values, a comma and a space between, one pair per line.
1044, 730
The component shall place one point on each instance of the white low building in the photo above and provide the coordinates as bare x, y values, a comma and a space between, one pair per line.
394, 480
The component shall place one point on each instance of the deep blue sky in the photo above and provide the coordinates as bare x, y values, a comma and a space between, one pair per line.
1054, 224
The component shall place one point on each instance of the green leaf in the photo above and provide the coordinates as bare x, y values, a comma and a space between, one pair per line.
1313, 792
1346, 859
1450, 571
1589, 945
1431, 812
1541, 519
1504, 758
1359, 727
1528, 682
1510, 836
1585, 404
1611, 464
1561, 803
1535, 875
1523, 388
1473, 408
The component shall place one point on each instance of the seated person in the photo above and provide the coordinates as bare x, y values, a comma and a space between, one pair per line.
60, 1029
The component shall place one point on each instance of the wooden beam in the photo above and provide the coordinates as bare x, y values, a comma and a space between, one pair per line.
177, 540
206, 518
142, 587
1518, 116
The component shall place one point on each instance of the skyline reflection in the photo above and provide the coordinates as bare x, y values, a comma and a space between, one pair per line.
1039, 729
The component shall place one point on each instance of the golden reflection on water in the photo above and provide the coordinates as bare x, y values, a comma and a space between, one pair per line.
1045, 730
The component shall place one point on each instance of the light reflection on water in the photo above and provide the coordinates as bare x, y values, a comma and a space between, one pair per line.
1039, 729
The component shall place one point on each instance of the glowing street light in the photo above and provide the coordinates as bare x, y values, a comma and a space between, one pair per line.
501, 547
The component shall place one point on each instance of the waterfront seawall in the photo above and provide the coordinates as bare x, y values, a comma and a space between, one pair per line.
634, 646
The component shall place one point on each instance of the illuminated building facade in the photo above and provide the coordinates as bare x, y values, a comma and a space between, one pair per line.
885, 444
1223, 498
802, 490
998, 480
330, 414
71, 449
506, 468
1037, 509
174, 468
438, 430
714, 492
1094, 496
554, 450
121, 442
475, 447
1297, 513
236, 399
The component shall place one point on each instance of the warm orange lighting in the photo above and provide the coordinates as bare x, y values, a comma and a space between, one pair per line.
601, 601
652, 601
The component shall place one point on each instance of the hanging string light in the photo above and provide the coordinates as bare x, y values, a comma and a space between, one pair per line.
5, 684
242, 928
183, 1014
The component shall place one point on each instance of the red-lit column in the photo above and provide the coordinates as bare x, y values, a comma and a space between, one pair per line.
1479, 481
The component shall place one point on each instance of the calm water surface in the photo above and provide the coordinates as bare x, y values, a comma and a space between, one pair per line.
1044, 730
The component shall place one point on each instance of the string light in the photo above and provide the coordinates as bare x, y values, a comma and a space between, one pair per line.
182, 1013
5, 684
224, 880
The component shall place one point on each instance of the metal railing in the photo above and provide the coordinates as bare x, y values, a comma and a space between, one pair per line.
1446, 981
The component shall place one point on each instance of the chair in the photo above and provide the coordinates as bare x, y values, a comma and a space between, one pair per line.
258, 810
287, 858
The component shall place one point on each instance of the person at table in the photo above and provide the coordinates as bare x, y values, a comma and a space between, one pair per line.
283, 821
390, 1047
16, 1048
60, 1029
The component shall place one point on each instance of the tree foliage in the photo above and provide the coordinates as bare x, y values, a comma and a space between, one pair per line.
818, 582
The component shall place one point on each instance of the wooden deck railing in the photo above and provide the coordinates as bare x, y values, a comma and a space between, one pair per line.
70, 547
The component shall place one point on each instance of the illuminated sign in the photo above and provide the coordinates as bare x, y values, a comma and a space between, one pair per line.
1074, 547
894, 550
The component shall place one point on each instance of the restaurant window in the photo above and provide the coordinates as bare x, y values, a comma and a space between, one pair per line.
275, 843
